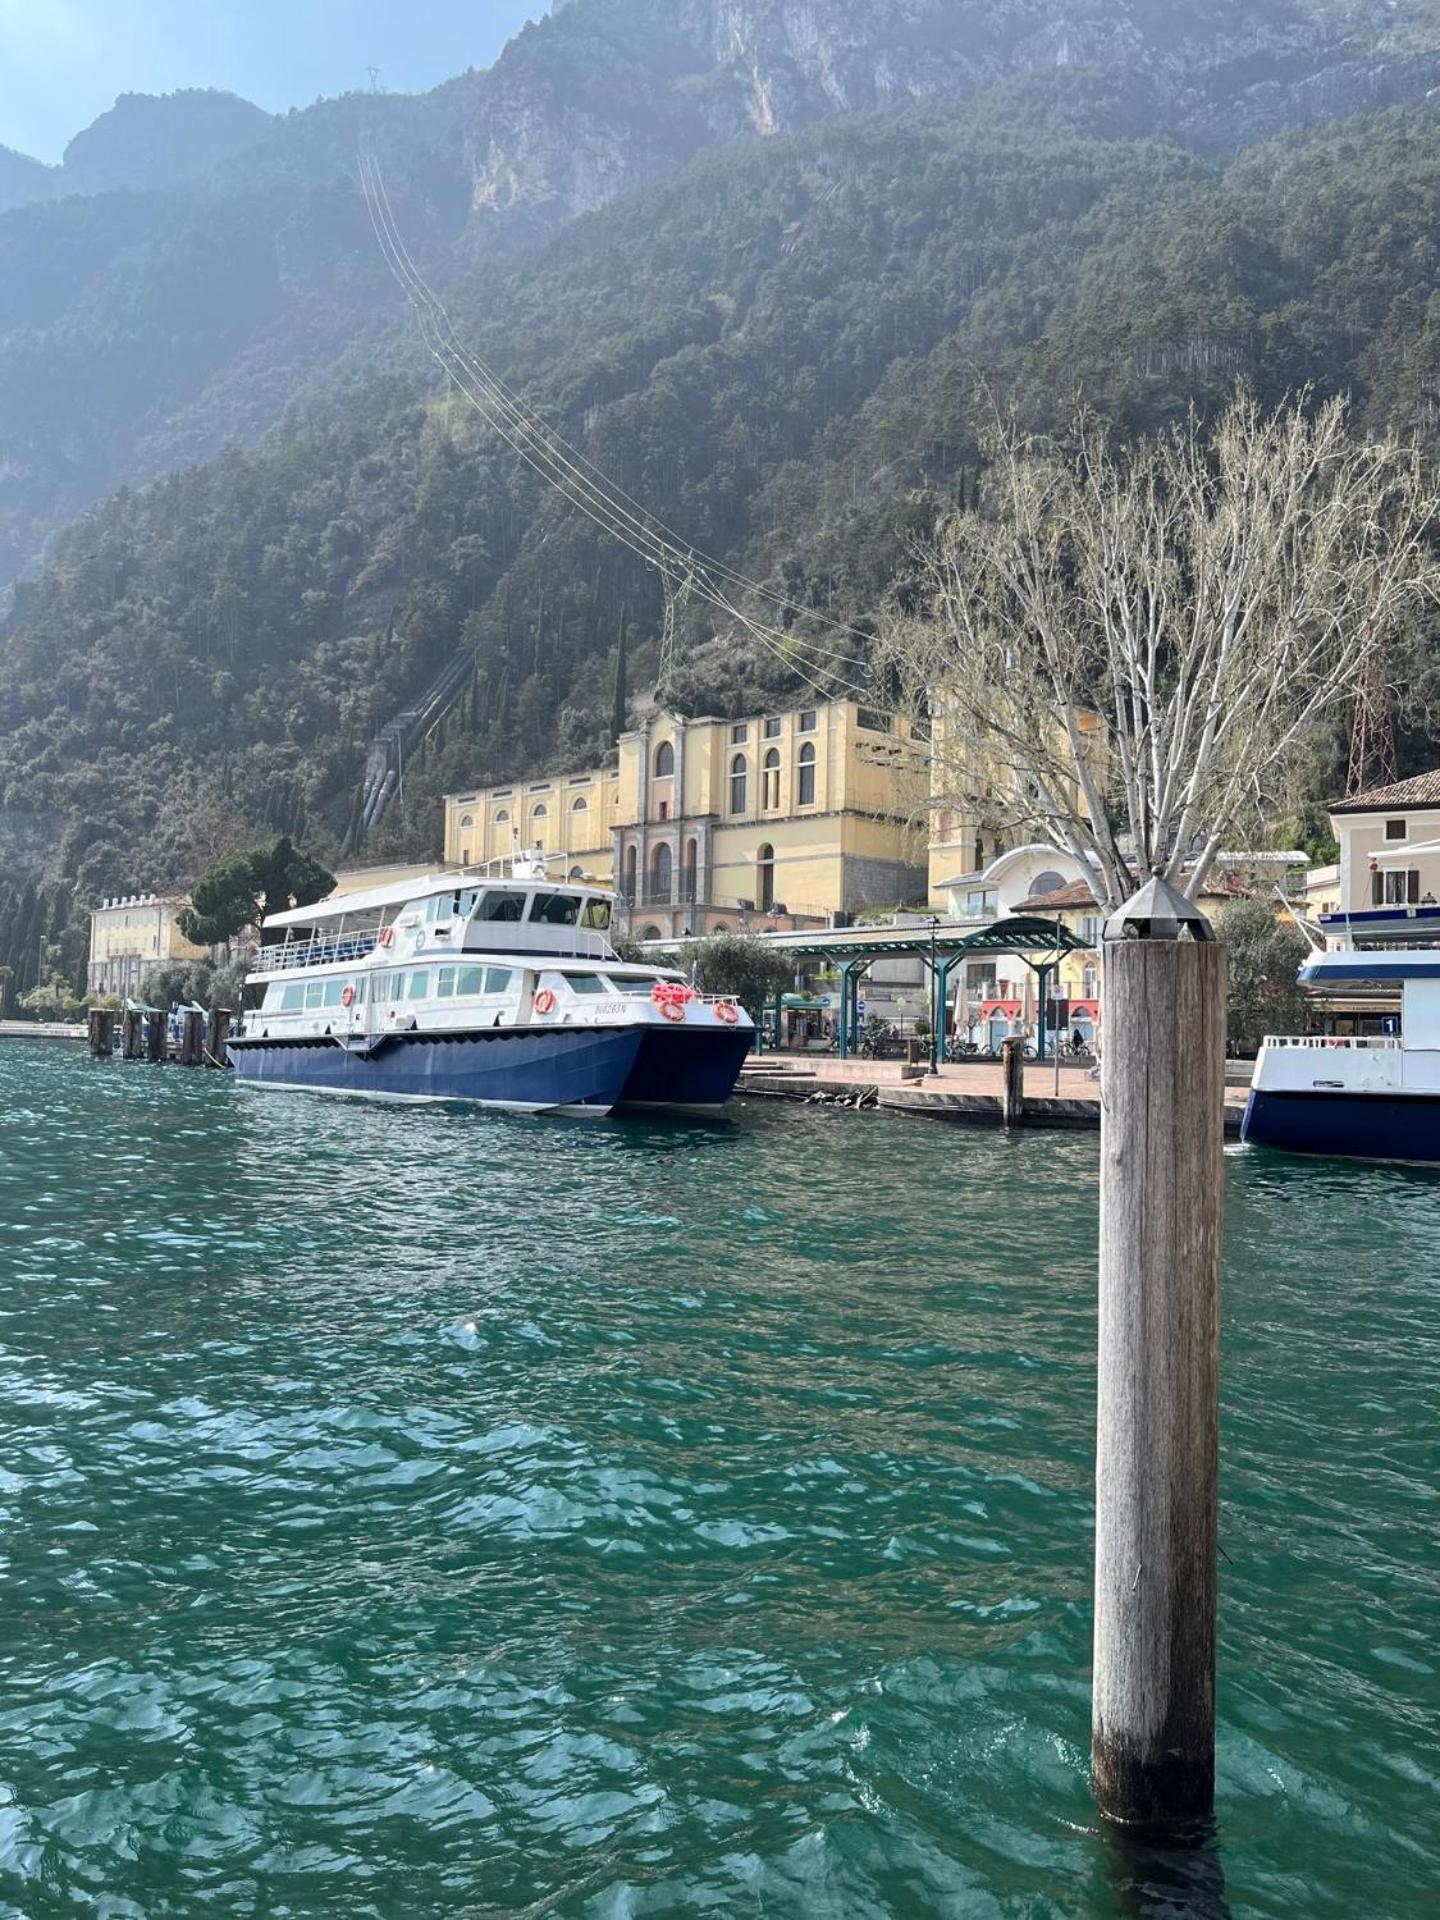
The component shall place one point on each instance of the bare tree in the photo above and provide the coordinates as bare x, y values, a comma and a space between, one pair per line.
1128, 652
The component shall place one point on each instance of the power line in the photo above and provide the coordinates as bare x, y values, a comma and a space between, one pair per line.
684, 570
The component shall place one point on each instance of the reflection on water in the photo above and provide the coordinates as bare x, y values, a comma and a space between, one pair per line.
411, 1510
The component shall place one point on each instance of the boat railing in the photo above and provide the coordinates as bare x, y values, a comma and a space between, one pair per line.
1325, 1042
318, 952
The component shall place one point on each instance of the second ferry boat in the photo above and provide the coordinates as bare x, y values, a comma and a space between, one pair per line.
498, 987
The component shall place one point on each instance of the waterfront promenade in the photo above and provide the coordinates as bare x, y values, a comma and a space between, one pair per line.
964, 1090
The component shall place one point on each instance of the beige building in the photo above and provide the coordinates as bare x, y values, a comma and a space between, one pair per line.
1389, 854
131, 937
810, 814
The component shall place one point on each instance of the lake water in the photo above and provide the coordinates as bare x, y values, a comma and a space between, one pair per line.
415, 1513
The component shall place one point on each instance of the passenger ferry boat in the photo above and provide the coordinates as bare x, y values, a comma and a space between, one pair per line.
497, 986
1364, 1097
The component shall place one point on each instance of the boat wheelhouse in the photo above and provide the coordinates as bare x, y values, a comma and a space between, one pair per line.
1372, 1097
497, 986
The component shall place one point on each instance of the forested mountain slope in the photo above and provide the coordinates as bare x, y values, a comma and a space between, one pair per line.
785, 346
197, 267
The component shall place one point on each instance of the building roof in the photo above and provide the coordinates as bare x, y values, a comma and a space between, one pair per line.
1422, 790
1078, 898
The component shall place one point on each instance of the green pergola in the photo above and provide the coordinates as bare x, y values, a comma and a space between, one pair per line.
1041, 944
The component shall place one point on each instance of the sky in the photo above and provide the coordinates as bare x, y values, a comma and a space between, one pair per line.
62, 62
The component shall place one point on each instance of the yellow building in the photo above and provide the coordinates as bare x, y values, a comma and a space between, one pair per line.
976, 814
808, 814
130, 937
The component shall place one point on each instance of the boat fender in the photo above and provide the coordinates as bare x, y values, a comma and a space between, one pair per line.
672, 1009
387, 936
347, 998
727, 1011
544, 1002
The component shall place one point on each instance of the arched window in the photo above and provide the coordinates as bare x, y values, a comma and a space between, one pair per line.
664, 760
540, 811
805, 784
502, 818
765, 877
467, 823
651, 932
630, 862
661, 875
770, 787
580, 806
691, 874
1048, 882
738, 783
979, 854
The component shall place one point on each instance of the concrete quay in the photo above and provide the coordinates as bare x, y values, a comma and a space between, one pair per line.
966, 1093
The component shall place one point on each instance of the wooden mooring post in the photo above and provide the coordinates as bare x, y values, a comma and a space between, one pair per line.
155, 1038
132, 1035
192, 1039
1012, 1074
1157, 1454
217, 1037
102, 1032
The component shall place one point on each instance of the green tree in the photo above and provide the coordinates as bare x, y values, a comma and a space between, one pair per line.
738, 964
54, 999
1265, 958
240, 891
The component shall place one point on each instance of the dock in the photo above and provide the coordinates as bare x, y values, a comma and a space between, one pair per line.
967, 1093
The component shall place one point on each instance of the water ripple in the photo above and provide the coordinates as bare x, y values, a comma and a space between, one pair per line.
442, 1513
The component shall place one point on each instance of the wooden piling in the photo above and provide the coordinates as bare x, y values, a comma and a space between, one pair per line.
132, 1042
102, 1032
155, 1038
1157, 1465
192, 1039
217, 1037
1012, 1073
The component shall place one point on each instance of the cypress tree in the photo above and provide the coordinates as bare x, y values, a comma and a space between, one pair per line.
619, 711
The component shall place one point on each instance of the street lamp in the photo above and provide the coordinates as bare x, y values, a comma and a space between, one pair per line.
937, 1012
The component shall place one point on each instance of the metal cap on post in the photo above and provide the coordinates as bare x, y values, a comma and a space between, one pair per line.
1161, 1189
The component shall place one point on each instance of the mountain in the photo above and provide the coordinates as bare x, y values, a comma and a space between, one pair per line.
145, 142
763, 260
23, 179
138, 336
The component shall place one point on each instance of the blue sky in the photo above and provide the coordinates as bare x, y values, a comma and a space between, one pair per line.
62, 62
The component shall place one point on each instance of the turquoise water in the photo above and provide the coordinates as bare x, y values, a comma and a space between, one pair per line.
412, 1513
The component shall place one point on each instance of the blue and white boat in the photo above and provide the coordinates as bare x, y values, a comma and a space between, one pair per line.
1370, 1097
494, 986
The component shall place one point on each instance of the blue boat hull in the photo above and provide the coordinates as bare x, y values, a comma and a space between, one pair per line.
687, 1067
1351, 1126
535, 1070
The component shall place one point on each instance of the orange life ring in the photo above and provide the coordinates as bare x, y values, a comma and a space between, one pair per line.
544, 1002
347, 998
387, 936
727, 1011
672, 1009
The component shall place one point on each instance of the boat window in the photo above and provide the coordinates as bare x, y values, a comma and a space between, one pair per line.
585, 983
596, 915
445, 983
502, 906
632, 985
333, 991
498, 979
467, 903
556, 909
314, 995
420, 986
292, 999
470, 980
